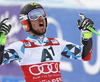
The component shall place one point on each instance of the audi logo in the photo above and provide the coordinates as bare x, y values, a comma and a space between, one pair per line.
44, 68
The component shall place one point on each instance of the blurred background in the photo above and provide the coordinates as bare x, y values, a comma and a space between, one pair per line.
62, 23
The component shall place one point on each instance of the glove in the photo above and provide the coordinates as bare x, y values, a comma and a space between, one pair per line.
83, 25
4, 30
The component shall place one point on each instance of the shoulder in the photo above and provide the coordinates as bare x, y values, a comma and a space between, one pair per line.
62, 41
16, 44
57, 40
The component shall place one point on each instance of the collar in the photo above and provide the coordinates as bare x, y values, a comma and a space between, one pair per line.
40, 40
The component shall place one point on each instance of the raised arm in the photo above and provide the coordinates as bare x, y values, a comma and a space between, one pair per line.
4, 30
87, 43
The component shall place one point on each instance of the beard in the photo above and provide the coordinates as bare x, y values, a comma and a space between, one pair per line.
38, 33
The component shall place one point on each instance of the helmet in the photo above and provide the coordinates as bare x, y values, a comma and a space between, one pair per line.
24, 18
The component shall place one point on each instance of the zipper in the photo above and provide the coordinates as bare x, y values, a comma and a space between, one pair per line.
40, 41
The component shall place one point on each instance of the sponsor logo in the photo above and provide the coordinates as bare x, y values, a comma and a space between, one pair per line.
25, 26
44, 68
33, 4
53, 80
54, 41
27, 44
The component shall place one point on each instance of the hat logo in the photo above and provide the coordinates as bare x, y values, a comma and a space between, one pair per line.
34, 4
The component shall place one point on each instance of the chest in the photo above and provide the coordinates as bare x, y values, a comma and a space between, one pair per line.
42, 54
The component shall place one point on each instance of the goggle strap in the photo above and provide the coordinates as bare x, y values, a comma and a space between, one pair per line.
23, 17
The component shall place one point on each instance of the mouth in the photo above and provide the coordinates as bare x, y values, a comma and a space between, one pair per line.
41, 24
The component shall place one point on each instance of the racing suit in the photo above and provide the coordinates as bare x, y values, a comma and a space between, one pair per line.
39, 58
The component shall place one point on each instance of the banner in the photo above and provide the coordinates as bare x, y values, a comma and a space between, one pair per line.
62, 23
12, 79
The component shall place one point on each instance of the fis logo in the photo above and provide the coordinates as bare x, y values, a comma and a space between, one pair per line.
27, 44
54, 41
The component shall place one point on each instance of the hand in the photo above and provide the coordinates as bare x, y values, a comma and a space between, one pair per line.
4, 28
84, 23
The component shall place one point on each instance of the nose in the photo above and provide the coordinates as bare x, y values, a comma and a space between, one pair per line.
41, 18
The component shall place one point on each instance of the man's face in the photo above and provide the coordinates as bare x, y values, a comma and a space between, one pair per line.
38, 22
39, 25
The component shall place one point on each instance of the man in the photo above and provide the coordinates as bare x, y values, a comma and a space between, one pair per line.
39, 56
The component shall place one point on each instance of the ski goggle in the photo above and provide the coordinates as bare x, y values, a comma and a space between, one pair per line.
36, 13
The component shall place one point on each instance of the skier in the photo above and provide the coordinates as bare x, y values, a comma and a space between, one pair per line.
37, 55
